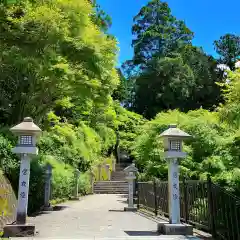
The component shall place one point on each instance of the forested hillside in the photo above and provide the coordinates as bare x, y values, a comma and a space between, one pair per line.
58, 65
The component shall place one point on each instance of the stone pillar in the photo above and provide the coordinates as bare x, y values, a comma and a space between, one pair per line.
47, 192
92, 179
76, 176
173, 190
130, 192
23, 189
99, 172
108, 172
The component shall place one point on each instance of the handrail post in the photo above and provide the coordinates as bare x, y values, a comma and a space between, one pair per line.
155, 197
138, 197
185, 199
211, 207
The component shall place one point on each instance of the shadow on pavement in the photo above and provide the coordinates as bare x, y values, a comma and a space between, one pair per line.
122, 201
59, 208
142, 233
42, 212
116, 210
122, 195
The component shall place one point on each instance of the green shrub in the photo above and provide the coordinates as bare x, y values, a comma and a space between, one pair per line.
213, 148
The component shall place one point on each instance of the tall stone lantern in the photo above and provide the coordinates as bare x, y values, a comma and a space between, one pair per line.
130, 177
27, 133
173, 152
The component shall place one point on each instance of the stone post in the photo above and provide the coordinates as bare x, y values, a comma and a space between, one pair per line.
92, 179
47, 192
131, 176
173, 189
23, 189
99, 172
76, 177
108, 172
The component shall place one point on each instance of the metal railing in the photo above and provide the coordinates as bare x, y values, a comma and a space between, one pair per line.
203, 204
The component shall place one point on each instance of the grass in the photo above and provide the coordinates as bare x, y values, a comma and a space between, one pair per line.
57, 201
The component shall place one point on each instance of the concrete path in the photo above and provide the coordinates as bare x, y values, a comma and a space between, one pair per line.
96, 217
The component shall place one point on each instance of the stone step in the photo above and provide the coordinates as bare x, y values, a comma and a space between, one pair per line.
110, 187
118, 176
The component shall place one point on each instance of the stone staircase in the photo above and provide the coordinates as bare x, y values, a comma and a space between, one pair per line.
117, 185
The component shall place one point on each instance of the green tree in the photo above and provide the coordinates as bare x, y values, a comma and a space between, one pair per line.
228, 47
167, 71
230, 111
121, 93
206, 93
157, 32
166, 83
50, 51
100, 17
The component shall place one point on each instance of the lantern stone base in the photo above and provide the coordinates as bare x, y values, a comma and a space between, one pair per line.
130, 209
19, 230
47, 208
75, 198
175, 229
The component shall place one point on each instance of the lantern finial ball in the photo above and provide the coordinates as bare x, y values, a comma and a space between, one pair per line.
28, 119
172, 125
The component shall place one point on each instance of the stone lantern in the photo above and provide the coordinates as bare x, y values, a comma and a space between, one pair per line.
173, 152
130, 177
27, 133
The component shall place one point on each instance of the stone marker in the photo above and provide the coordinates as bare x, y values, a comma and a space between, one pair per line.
130, 177
92, 179
113, 164
76, 176
47, 190
172, 139
99, 172
27, 133
108, 172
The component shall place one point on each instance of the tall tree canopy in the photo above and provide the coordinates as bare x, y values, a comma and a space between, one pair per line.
157, 32
167, 71
228, 47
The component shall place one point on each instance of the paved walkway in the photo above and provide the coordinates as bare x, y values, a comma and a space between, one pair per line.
96, 217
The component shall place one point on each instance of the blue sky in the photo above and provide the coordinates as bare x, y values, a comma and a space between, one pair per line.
208, 19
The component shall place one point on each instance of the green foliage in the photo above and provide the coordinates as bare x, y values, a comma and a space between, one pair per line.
211, 150
228, 47
157, 32
77, 146
170, 86
230, 111
55, 48
166, 71
129, 124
